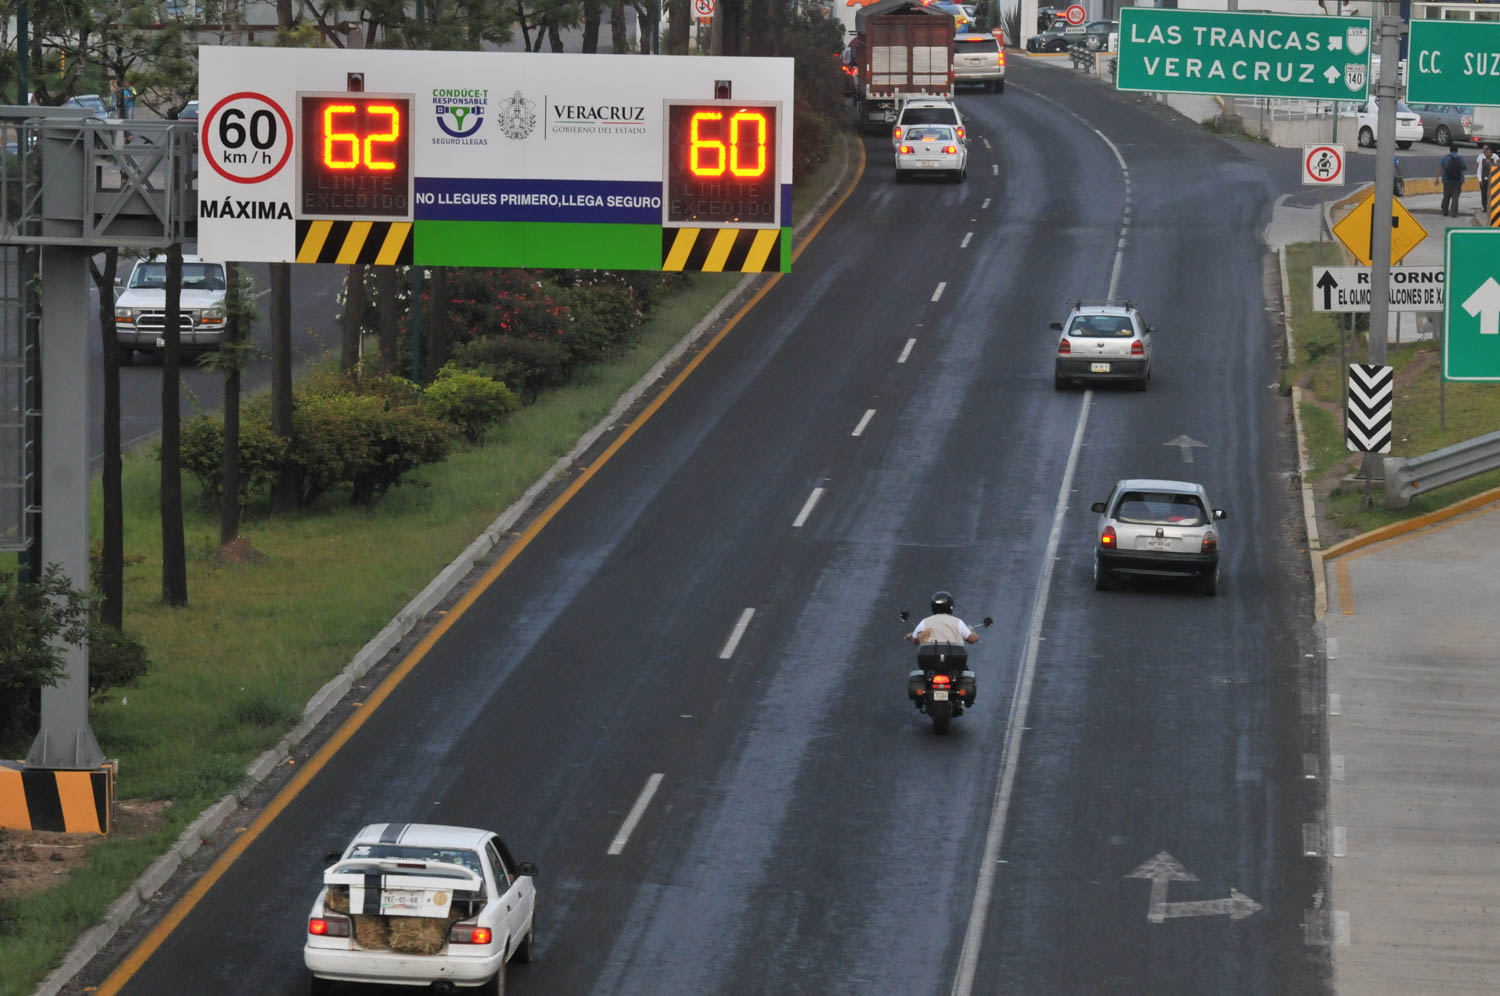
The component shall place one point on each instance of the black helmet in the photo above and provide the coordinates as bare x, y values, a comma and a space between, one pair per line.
942, 604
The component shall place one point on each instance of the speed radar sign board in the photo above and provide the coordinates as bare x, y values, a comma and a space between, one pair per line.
495, 159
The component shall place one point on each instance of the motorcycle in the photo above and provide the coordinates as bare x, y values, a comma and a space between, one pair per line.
942, 686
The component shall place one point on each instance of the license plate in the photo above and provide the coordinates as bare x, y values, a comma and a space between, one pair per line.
928, 163
1158, 543
1099, 368
940, 696
400, 902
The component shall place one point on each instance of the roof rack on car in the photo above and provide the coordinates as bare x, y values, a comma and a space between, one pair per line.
1103, 302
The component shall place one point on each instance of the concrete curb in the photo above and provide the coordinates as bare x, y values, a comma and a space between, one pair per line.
326, 698
1413, 524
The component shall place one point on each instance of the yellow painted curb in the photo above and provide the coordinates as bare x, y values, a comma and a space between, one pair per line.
1412, 525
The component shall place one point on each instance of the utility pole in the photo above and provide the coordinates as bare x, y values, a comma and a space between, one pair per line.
1387, 91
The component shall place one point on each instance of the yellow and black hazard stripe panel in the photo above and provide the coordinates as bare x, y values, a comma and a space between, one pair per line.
1493, 208
48, 799
382, 243
715, 250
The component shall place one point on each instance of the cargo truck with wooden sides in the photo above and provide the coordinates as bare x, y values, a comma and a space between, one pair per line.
901, 49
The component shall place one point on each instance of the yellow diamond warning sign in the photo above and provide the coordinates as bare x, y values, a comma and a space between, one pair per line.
1354, 228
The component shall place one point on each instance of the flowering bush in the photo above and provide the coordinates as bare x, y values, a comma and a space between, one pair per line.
468, 401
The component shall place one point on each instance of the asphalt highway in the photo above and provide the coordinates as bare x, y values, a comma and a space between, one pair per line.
808, 832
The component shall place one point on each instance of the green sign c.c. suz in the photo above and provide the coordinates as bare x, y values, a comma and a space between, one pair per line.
1471, 273
1297, 56
1454, 62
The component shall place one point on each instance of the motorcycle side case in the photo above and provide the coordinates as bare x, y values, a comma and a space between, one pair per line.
916, 684
967, 687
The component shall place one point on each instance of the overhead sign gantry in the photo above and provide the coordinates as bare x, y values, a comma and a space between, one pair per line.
496, 159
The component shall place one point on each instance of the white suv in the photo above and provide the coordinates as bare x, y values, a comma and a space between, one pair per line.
927, 111
141, 308
979, 58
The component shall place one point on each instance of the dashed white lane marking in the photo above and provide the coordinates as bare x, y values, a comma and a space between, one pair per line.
986, 142
905, 352
939, 292
985, 204
1336, 767
1340, 929
812, 500
859, 429
965, 243
1335, 705
636, 812
1340, 841
1333, 648
994, 170
734, 637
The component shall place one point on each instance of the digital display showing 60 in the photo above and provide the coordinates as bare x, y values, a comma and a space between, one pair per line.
356, 156
721, 165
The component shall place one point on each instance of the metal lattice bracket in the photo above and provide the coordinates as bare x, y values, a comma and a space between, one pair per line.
81, 181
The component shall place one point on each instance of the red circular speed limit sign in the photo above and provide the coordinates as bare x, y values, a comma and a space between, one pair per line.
1075, 14
247, 137
1322, 164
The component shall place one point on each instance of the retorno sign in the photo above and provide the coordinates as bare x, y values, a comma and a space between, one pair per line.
494, 159
1299, 56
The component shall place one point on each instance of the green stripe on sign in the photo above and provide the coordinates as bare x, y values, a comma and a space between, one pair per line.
538, 244
786, 250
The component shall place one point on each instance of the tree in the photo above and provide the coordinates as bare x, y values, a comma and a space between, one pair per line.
353, 317
617, 40
385, 290
232, 356
680, 28
112, 556
173, 544
593, 15
284, 490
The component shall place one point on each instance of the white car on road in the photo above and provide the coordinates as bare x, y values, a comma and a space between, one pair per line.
414, 904
141, 308
1408, 125
932, 149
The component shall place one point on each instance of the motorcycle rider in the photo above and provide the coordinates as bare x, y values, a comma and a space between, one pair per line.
943, 626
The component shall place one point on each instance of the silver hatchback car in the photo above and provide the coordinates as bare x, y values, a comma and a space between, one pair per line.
1103, 342
1157, 528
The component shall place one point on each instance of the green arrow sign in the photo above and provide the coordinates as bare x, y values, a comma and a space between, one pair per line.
1456, 62
1471, 347
1301, 56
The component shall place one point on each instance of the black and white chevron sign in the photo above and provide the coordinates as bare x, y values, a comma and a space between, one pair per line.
1367, 415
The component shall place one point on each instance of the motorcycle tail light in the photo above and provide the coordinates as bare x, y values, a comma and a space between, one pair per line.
1107, 538
1065, 346
940, 679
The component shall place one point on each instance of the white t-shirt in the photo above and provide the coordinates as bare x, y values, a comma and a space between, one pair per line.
945, 629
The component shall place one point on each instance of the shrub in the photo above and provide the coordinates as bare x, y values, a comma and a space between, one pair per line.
601, 322
115, 659
32, 616
400, 439
529, 366
330, 439
261, 453
470, 402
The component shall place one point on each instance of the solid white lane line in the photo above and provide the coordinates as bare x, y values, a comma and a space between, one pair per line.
734, 637
968, 959
812, 500
858, 429
907, 351
965, 243
636, 812
939, 292
985, 204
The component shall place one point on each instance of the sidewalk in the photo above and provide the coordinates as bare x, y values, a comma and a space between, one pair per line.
1413, 716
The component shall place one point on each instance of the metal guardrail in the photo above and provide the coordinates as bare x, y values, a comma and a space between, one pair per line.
1407, 477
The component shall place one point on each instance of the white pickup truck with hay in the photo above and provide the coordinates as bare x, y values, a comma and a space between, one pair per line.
414, 903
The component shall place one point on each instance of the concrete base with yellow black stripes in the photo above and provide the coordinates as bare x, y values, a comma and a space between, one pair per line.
49, 799
726, 250
1492, 209
381, 243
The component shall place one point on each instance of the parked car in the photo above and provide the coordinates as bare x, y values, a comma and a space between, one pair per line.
932, 149
1103, 342
979, 59
1053, 39
140, 309
189, 111
1408, 124
419, 904
1446, 123
1096, 35
90, 102
1156, 528
926, 111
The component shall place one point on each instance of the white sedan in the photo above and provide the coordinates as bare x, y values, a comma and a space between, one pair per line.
1408, 124
417, 904
932, 149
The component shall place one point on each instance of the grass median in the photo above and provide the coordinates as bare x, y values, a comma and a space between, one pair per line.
1423, 420
268, 626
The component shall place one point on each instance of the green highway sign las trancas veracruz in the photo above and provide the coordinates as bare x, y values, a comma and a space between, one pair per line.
1296, 56
1454, 62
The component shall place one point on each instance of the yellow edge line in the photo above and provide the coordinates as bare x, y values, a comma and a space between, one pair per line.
1411, 525
138, 957
1346, 588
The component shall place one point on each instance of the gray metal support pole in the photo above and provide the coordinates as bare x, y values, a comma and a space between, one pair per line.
23, 53
1387, 90
65, 739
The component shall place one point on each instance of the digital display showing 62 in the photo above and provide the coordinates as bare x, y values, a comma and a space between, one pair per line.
721, 165
356, 156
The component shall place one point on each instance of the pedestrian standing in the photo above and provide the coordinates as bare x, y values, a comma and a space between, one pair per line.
1451, 170
130, 101
1486, 168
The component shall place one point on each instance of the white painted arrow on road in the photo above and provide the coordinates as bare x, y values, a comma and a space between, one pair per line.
1164, 869
1485, 305
1185, 444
